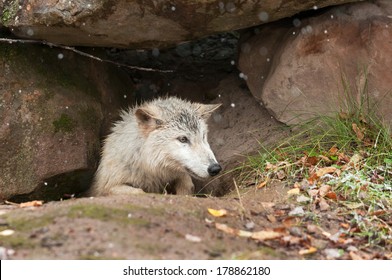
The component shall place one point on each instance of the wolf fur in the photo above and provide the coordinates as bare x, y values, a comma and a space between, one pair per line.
157, 147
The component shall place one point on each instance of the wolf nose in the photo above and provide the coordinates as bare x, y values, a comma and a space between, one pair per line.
214, 169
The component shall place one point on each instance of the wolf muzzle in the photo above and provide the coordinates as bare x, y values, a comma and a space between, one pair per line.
214, 169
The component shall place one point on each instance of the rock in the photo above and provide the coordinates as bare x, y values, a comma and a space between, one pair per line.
50, 120
145, 24
295, 68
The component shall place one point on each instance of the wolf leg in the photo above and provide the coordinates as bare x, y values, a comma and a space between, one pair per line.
184, 185
125, 190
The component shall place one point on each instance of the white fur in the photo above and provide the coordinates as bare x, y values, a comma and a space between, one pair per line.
144, 151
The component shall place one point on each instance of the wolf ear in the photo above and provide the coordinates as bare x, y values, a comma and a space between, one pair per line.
205, 110
147, 120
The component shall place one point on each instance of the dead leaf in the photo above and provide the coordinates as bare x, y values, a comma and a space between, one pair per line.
225, 228
355, 256
324, 189
34, 203
358, 131
308, 251
326, 170
345, 225
312, 160
331, 195
313, 178
344, 116
378, 213
312, 193
333, 151
324, 206
192, 238
271, 218
217, 213
289, 221
312, 228
262, 184
294, 191
265, 235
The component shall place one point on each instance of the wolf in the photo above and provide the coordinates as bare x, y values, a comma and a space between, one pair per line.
157, 147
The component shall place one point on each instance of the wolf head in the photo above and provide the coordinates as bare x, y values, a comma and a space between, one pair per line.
175, 133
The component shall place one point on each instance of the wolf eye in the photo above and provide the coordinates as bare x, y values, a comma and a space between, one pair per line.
183, 139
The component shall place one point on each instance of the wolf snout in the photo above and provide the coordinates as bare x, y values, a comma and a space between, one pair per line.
214, 169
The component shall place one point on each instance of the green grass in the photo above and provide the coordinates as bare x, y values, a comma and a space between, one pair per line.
357, 142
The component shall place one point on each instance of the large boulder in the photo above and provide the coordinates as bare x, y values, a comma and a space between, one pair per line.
306, 67
130, 23
51, 118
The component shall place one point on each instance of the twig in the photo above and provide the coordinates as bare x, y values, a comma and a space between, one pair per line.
26, 41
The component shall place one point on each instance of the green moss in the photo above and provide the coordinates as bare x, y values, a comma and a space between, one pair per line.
100, 257
64, 124
22, 224
16, 242
264, 253
103, 213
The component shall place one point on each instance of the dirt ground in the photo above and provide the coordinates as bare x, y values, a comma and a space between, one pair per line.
154, 226
147, 226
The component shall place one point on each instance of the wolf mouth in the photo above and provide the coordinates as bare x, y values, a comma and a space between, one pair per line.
193, 174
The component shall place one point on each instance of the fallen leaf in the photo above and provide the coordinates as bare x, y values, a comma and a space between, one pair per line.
324, 206
34, 203
332, 253
325, 170
312, 160
217, 213
312, 193
265, 235
331, 195
358, 131
271, 218
378, 213
312, 228
313, 178
333, 151
262, 184
289, 221
7, 232
225, 228
344, 115
308, 251
324, 189
192, 238
355, 256
303, 198
345, 225
294, 191
297, 211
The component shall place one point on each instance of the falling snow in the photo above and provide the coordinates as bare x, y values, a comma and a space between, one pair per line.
60, 56
232, 105
243, 76
263, 16
296, 22
232, 62
30, 32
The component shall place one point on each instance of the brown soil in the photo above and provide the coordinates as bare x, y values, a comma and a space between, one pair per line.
148, 226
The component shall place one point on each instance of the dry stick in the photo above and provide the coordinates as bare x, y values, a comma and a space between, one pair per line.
239, 198
25, 41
